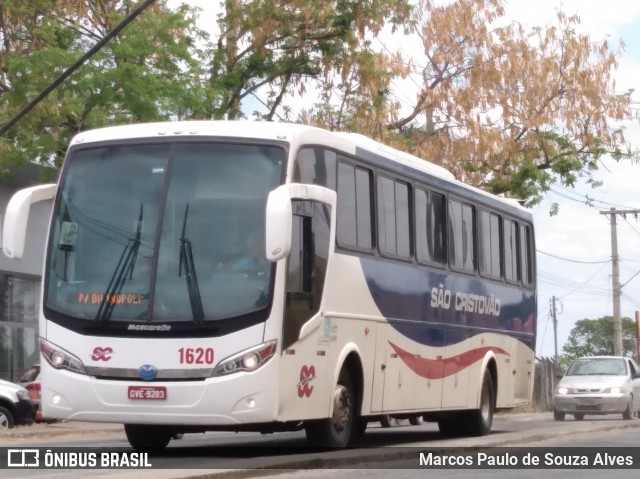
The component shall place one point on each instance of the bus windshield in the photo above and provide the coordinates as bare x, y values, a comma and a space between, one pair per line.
161, 232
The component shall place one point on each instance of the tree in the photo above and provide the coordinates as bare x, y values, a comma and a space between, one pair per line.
163, 67
144, 74
594, 337
272, 50
506, 109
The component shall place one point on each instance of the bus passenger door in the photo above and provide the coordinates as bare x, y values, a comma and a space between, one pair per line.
304, 360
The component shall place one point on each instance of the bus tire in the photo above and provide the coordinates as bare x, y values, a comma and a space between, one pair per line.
452, 424
480, 420
340, 429
144, 437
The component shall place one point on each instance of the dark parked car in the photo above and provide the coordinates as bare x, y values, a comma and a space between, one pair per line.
598, 385
16, 406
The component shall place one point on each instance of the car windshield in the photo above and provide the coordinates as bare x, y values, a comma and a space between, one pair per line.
598, 367
154, 232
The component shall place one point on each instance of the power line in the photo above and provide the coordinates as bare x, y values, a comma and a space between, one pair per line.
585, 199
565, 283
573, 260
69, 71
630, 225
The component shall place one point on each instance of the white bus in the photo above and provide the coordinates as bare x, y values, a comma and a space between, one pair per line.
249, 276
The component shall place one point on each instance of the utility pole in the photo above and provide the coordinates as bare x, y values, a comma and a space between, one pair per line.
615, 277
637, 336
555, 327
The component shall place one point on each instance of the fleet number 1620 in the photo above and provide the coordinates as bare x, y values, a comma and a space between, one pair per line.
196, 355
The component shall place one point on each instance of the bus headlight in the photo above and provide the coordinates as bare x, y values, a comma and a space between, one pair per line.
246, 361
61, 359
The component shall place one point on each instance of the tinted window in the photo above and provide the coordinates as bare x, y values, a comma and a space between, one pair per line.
489, 260
511, 251
306, 267
526, 257
315, 166
430, 227
130, 219
354, 207
393, 217
461, 253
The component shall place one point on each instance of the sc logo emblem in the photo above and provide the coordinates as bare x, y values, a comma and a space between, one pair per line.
102, 354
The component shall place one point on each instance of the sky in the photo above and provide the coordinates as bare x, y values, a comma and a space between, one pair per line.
574, 246
579, 233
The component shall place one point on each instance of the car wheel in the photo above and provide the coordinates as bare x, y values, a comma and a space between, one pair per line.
6, 419
628, 413
558, 416
579, 416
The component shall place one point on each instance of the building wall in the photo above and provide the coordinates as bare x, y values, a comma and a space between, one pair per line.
20, 292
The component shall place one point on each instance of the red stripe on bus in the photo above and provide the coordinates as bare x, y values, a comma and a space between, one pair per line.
443, 367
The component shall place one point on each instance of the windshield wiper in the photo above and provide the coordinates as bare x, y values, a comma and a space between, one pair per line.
125, 266
186, 259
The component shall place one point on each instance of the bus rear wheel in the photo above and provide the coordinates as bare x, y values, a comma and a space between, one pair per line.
144, 437
338, 430
480, 420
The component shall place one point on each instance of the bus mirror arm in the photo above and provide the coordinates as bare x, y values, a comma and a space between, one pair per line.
17, 217
279, 213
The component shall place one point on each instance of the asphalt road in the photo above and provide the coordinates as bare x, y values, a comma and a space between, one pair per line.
613, 441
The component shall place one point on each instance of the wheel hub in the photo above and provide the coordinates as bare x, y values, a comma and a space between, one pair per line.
341, 408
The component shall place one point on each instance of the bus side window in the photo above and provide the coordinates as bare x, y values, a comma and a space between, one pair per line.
315, 166
525, 255
461, 237
306, 267
511, 266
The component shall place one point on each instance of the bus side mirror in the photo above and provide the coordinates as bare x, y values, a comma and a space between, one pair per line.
280, 215
278, 224
17, 216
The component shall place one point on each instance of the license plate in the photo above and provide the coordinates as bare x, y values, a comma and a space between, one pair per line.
147, 392
587, 402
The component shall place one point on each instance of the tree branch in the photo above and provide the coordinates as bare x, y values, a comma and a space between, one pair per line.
279, 98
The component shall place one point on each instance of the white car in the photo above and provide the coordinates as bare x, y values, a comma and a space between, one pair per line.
598, 385
16, 405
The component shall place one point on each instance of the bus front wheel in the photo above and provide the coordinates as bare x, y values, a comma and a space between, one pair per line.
145, 437
337, 430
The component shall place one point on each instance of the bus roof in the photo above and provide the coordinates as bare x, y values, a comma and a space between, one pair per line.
293, 133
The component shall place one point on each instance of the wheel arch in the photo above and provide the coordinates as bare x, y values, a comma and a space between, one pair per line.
489, 365
7, 404
350, 360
